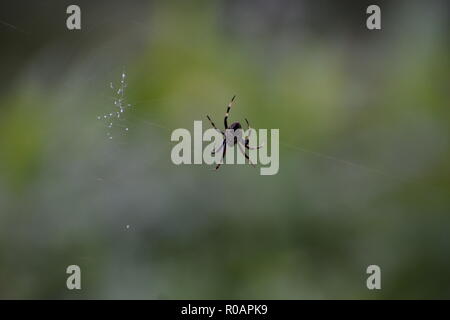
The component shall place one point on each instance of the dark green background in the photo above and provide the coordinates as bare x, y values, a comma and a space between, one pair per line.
364, 156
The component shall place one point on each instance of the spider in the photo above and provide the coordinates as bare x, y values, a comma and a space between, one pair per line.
232, 136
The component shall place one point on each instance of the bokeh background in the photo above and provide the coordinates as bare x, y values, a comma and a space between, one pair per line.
364, 156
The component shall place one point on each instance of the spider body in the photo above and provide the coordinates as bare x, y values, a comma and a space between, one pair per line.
232, 136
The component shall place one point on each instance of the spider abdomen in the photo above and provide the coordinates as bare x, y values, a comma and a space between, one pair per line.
233, 133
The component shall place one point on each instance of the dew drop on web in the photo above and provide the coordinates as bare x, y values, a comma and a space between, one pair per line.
119, 102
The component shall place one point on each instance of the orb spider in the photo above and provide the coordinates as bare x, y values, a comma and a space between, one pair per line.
232, 136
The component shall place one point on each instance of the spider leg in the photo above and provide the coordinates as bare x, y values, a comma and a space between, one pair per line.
225, 120
247, 138
253, 148
246, 142
246, 156
248, 124
214, 126
223, 156
250, 132
220, 148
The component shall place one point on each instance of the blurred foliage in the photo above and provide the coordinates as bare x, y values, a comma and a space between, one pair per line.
364, 173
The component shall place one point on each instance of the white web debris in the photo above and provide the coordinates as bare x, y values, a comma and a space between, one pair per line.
115, 120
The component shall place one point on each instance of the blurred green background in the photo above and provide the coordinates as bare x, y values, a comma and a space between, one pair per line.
364, 157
